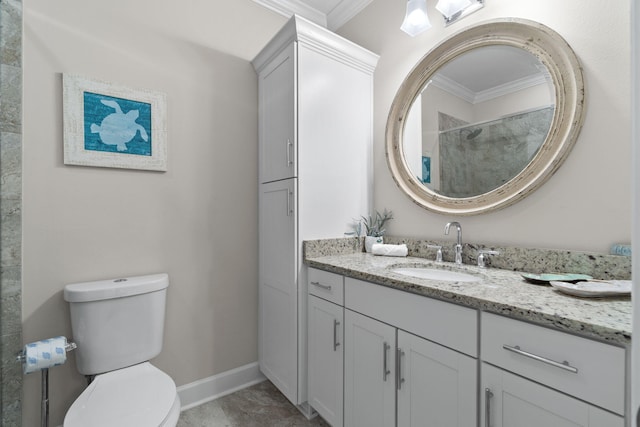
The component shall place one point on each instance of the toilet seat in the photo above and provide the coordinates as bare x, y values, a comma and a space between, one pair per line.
138, 396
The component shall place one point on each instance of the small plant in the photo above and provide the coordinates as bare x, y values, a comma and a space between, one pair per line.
374, 225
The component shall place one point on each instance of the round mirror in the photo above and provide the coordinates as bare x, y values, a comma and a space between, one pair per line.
485, 117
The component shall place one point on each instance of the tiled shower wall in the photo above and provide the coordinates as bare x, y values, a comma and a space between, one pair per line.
478, 158
11, 207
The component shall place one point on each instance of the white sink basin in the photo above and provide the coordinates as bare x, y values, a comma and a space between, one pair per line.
436, 274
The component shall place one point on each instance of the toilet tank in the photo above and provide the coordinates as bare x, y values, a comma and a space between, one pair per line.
117, 323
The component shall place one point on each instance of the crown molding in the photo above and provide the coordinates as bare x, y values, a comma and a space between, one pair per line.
288, 8
333, 19
453, 87
510, 87
344, 11
472, 97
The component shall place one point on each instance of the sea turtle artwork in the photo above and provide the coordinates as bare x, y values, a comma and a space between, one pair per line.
119, 128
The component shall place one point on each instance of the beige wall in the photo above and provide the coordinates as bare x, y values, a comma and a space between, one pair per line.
197, 221
586, 205
515, 102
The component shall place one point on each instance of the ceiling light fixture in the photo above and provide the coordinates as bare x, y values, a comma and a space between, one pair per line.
448, 8
453, 10
416, 19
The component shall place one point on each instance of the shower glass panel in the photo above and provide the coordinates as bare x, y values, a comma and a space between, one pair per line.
481, 157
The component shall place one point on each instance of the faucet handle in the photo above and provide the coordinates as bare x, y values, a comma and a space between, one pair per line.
438, 251
481, 255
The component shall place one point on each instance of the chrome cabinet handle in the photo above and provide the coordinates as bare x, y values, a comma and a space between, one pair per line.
488, 394
564, 365
336, 323
385, 370
289, 146
399, 378
289, 204
320, 285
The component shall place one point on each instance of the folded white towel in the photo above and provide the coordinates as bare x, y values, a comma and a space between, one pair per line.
389, 250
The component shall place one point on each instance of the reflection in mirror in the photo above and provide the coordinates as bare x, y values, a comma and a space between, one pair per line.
479, 121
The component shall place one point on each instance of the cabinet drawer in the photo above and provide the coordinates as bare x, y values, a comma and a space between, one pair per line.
581, 367
329, 286
447, 324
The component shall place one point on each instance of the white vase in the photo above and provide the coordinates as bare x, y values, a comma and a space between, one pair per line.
369, 241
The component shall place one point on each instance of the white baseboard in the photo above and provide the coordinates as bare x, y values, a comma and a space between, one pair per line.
208, 389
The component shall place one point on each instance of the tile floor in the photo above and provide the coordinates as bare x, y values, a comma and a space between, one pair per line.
260, 405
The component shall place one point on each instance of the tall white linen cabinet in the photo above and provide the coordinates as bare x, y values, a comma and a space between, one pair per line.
315, 170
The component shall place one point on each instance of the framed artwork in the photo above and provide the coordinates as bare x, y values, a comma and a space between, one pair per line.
108, 125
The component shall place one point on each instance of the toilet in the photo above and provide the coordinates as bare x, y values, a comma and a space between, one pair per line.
118, 326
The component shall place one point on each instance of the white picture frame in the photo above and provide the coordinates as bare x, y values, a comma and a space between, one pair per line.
113, 126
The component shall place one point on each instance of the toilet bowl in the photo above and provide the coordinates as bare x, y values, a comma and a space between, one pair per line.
118, 327
138, 396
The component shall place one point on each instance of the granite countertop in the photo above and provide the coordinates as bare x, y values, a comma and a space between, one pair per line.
501, 291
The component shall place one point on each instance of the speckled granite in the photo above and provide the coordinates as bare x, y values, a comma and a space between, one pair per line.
501, 291
317, 248
530, 260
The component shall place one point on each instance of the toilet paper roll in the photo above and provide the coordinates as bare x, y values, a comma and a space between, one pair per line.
44, 354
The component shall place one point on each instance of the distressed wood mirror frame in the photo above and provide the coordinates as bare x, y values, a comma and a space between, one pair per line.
567, 77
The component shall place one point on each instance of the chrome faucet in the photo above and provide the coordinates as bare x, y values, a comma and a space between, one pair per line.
458, 246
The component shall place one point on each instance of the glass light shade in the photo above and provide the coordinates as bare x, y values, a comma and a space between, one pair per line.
450, 7
416, 19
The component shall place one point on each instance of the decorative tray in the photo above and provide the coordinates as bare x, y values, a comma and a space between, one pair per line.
597, 289
545, 279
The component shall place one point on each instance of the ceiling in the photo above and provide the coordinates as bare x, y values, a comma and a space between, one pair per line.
489, 72
331, 14
491, 66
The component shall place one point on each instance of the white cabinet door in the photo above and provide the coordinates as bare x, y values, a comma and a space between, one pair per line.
508, 400
437, 387
278, 117
326, 350
369, 372
278, 286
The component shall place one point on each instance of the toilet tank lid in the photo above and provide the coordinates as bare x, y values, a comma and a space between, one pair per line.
115, 288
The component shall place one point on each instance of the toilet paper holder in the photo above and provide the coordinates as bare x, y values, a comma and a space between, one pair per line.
44, 404
21, 357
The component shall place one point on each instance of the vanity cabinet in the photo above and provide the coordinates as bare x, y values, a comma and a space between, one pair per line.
436, 385
533, 376
412, 360
432, 385
315, 96
326, 366
390, 357
509, 400
326, 345
370, 372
